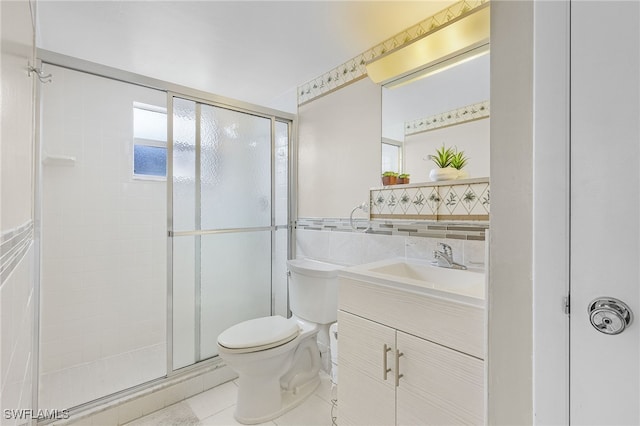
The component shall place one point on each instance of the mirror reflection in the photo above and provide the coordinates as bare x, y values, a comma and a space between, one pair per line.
410, 104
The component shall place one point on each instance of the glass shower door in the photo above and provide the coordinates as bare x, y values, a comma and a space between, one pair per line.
222, 224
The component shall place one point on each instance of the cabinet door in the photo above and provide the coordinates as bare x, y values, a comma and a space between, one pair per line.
364, 396
439, 385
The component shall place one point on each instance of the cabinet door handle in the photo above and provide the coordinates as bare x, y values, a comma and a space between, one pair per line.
398, 375
385, 370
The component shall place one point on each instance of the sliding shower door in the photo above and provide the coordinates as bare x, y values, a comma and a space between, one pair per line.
103, 234
223, 222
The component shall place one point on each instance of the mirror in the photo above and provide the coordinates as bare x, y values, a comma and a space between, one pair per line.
451, 89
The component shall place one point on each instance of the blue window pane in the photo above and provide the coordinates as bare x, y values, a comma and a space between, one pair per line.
149, 160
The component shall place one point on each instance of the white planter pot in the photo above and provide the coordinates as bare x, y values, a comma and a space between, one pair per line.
447, 173
462, 174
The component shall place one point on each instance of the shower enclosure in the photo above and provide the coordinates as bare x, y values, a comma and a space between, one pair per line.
141, 272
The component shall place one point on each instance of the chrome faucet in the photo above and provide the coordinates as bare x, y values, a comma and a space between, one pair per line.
444, 257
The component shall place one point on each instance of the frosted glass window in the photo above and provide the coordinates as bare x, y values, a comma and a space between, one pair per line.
149, 160
282, 173
149, 141
236, 169
184, 165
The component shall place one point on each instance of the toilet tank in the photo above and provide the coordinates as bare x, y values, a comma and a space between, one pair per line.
313, 290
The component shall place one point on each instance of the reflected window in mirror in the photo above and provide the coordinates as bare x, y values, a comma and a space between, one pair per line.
391, 156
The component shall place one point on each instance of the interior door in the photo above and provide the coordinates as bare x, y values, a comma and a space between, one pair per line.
605, 216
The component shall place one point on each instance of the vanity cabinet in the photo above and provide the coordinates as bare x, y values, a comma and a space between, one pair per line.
388, 376
366, 395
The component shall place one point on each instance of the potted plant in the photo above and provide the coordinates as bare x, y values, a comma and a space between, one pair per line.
403, 178
442, 159
389, 178
458, 161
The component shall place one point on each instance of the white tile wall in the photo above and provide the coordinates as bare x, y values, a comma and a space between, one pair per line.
353, 248
104, 245
16, 324
16, 201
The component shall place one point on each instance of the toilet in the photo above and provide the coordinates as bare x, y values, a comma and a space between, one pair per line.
278, 359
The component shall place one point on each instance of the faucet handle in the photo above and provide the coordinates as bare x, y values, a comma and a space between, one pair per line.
446, 248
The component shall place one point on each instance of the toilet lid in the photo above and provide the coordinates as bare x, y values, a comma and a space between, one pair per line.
259, 332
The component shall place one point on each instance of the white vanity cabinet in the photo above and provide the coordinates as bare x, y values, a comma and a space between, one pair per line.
393, 371
366, 396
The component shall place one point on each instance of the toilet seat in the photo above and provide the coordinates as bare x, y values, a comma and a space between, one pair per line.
258, 334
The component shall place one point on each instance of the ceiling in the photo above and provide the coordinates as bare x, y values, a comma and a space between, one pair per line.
255, 51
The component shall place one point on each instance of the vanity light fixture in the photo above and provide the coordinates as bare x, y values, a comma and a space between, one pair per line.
462, 39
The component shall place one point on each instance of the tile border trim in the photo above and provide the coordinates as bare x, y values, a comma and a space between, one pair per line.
426, 229
461, 115
355, 68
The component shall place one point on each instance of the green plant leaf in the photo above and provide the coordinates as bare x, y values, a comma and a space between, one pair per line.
458, 160
443, 157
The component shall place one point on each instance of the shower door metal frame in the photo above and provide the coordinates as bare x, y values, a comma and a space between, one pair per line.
198, 219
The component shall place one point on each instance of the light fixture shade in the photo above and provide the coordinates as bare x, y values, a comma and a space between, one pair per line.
459, 40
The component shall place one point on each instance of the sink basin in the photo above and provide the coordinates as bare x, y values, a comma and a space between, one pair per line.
420, 276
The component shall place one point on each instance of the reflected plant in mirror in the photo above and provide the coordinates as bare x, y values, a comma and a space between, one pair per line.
458, 161
442, 159
389, 178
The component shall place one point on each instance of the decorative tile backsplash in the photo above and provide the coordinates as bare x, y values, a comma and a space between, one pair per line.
463, 200
461, 115
354, 69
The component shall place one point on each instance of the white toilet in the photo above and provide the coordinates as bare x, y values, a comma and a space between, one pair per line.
278, 359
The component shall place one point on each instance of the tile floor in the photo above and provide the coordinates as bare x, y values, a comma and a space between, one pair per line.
216, 407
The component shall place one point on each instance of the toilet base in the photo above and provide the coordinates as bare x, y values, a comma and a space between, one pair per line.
290, 400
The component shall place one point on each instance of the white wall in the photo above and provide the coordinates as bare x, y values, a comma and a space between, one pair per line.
510, 293
17, 106
103, 304
16, 203
471, 137
339, 150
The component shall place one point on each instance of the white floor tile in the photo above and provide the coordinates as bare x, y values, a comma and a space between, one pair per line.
225, 418
214, 400
216, 406
325, 390
312, 412
178, 414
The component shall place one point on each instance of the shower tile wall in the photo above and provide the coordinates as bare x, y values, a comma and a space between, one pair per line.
16, 307
17, 253
103, 317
